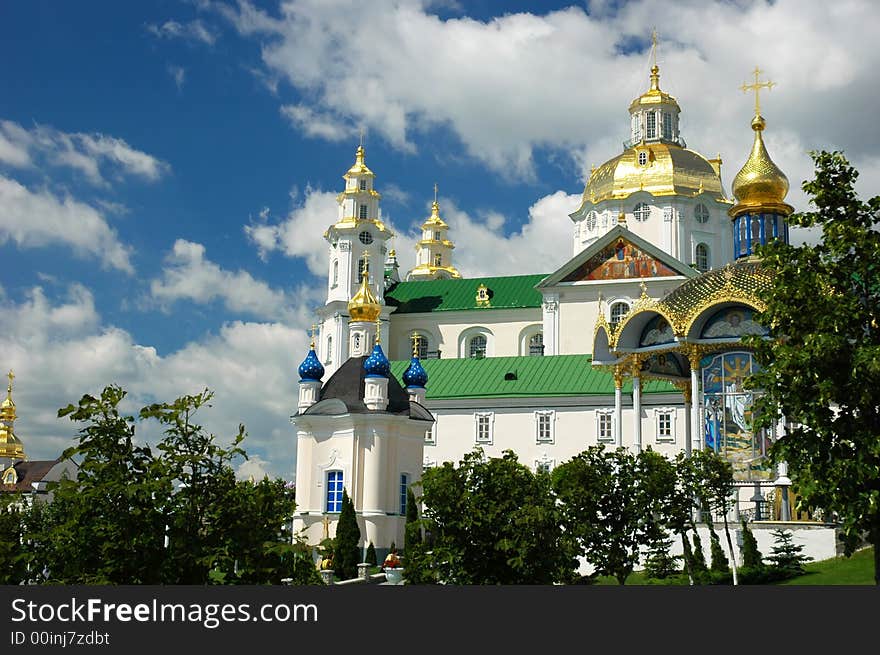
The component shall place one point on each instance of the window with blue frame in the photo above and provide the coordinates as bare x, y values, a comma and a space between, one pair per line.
334, 492
404, 485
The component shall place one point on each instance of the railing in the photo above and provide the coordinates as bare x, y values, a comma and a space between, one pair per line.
629, 143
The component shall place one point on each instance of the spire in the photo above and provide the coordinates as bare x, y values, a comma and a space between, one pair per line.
434, 250
654, 95
760, 184
10, 445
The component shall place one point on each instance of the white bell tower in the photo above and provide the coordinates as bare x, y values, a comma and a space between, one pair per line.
357, 242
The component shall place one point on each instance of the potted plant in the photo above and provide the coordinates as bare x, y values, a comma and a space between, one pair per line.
393, 567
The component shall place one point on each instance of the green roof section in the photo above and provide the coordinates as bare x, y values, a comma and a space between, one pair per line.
422, 296
521, 377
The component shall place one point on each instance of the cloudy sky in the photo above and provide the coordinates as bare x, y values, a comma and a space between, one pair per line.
167, 168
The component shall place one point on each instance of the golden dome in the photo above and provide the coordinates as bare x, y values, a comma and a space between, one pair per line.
359, 167
653, 96
10, 445
364, 306
7, 407
669, 169
434, 219
760, 183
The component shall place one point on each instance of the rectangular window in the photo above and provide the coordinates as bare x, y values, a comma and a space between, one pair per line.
431, 436
363, 185
544, 466
363, 212
483, 428
652, 126
604, 425
544, 427
334, 492
665, 419
404, 485
436, 235
667, 125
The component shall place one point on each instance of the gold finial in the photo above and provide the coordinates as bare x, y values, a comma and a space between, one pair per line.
312, 332
644, 288
621, 218
11, 377
415, 344
756, 87
378, 330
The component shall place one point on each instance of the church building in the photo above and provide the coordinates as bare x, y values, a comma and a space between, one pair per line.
633, 342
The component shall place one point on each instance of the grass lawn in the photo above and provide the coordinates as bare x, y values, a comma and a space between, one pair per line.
855, 570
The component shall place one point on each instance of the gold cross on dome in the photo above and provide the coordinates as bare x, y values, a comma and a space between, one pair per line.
415, 344
756, 87
11, 377
312, 332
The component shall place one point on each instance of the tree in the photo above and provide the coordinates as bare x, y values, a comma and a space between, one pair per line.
115, 507
659, 564
751, 556
412, 535
611, 505
719, 561
371, 555
786, 556
821, 369
492, 521
348, 541
715, 476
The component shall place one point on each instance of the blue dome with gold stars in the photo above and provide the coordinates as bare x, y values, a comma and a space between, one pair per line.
377, 365
415, 374
311, 368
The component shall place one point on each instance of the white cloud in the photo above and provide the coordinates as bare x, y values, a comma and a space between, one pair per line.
300, 234
188, 275
254, 468
521, 82
62, 349
316, 124
178, 74
40, 218
86, 153
192, 31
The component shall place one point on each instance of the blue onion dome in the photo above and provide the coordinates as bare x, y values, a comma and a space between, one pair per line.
377, 365
311, 368
415, 374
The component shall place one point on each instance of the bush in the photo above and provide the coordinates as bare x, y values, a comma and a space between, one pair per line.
787, 557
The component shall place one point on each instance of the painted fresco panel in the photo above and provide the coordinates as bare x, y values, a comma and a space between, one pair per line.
619, 261
727, 416
657, 331
732, 322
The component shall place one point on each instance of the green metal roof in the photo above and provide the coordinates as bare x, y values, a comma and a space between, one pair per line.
557, 375
417, 296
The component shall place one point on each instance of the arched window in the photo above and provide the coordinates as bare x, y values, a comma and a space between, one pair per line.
536, 345
701, 213
591, 221
361, 263
701, 257
438, 260
477, 346
643, 158
619, 310
641, 212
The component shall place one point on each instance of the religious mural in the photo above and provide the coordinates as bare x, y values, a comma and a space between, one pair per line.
619, 261
732, 322
664, 364
657, 331
727, 415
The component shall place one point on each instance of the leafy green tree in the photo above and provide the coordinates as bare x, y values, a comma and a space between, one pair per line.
113, 509
821, 371
348, 540
492, 521
19, 519
786, 556
715, 476
608, 505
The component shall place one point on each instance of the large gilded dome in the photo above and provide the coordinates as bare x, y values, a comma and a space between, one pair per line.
668, 169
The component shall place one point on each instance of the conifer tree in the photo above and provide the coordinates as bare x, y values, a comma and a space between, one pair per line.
751, 555
348, 539
371, 555
786, 556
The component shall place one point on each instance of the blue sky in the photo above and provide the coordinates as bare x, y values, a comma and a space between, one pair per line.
167, 168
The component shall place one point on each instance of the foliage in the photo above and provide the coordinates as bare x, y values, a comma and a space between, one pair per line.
371, 555
412, 530
348, 539
699, 561
659, 564
719, 561
492, 521
614, 502
787, 556
821, 371
715, 476
18, 519
176, 516
751, 556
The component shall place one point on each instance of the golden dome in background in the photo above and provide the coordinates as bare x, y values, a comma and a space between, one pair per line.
653, 96
760, 183
669, 169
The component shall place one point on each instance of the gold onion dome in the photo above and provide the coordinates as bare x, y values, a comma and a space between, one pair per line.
364, 306
7, 407
434, 219
760, 183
